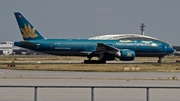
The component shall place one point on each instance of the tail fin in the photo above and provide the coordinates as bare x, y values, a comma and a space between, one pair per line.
27, 30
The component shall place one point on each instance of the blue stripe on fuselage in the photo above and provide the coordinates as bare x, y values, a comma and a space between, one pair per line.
85, 45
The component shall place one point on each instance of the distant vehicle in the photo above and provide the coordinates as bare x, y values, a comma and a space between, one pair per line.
105, 50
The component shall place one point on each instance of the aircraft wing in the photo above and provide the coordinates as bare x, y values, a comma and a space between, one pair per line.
108, 52
103, 48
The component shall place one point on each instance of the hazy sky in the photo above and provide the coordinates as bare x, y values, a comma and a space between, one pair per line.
88, 18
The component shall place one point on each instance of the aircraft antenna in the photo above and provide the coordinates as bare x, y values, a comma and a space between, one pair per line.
142, 28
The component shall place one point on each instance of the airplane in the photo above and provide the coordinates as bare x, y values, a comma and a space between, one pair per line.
105, 50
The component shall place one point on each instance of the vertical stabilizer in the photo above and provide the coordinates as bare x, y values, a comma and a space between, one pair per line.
27, 30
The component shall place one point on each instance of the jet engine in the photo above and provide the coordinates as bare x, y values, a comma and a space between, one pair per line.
125, 55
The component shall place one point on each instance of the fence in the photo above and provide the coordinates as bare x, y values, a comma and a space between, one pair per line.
90, 87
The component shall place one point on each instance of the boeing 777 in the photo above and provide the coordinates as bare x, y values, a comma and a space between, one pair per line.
125, 49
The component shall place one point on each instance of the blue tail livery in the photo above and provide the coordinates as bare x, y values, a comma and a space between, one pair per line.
27, 30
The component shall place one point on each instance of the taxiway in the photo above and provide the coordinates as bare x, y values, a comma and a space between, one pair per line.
58, 78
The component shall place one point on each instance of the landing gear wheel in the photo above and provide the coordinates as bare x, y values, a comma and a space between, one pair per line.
160, 60
102, 61
86, 61
94, 61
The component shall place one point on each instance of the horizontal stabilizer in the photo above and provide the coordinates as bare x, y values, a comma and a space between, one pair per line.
28, 43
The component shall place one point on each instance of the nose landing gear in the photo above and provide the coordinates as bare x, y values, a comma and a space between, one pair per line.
160, 60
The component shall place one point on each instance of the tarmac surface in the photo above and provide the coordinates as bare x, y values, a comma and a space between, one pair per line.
58, 78
76, 62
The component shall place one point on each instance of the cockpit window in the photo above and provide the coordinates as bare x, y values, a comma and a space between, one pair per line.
170, 46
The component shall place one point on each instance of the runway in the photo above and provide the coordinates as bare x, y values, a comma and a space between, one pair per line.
63, 62
58, 78
77, 62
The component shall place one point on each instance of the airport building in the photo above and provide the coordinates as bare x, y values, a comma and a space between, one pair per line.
177, 50
8, 48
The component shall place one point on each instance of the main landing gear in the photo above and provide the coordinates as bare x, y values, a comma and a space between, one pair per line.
101, 60
94, 61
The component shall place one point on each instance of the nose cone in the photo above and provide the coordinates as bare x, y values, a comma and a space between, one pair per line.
171, 50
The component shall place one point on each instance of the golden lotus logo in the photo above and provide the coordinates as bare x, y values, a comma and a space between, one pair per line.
28, 32
129, 55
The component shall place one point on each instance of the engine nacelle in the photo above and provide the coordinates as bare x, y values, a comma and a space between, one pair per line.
127, 55
124, 55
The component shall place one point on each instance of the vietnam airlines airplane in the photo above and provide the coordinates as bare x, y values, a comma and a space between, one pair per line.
125, 49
